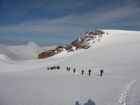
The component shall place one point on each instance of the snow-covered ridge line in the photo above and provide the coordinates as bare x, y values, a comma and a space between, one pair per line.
84, 42
124, 95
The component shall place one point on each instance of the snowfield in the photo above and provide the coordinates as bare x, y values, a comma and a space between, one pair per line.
28, 82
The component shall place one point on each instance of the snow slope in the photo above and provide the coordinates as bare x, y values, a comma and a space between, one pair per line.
30, 83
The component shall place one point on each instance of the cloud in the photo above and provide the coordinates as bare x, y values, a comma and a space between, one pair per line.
74, 23
67, 4
27, 7
23, 52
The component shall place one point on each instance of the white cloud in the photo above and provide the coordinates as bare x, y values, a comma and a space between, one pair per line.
23, 52
75, 23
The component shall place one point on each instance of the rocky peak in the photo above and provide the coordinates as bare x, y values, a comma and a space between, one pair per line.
84, 42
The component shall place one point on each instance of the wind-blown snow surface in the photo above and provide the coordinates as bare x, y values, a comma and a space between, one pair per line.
30, 83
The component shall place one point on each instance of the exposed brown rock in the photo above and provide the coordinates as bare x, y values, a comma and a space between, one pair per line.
46, 54
80, 43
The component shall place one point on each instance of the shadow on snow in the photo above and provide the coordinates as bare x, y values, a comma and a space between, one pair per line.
89, 102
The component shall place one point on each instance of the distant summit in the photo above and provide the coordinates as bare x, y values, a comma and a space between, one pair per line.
84, 42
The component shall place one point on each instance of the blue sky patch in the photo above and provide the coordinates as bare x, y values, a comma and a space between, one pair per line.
61, 21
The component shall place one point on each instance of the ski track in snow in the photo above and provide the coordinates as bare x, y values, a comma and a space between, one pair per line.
124, 95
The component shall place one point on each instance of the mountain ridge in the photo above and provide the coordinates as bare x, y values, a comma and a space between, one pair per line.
83, 42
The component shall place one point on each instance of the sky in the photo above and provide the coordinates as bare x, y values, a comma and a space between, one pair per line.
57, 22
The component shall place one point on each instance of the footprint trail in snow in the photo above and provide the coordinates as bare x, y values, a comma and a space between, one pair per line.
124, 95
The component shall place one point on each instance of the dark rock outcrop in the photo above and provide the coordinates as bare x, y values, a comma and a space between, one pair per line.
49, 53
84, 42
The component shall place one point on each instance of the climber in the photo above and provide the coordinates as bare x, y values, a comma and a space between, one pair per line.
74, 70
82, 72
89, 72
101, 72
